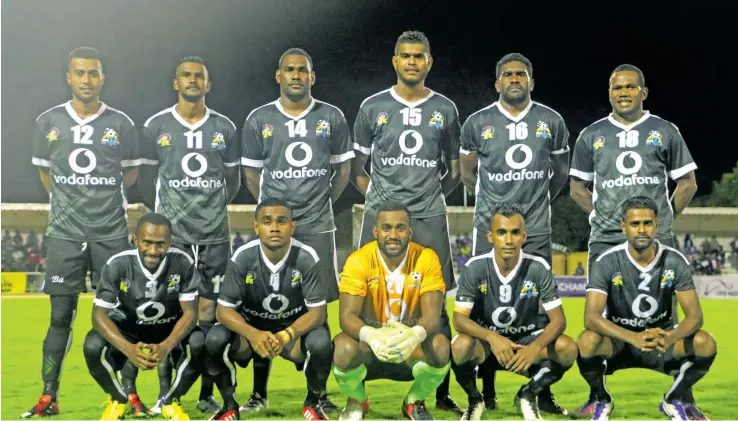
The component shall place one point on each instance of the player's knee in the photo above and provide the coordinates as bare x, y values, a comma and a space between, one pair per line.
62, 315
462, 347
217, 339
566, 349
93, 345
318, 343
345, 351
588, 342
196, 342
704, 344
441, 347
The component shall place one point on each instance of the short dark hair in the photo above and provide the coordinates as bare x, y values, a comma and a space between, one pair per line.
296, 52
272, 202
194, 59
84, 52
413, 37
631, 68
393, 206
507, 58
154, 219
640, 202
507, 209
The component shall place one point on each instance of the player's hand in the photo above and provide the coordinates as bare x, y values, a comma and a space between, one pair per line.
523, 359
161, 350
263, 343
502, 348
644, 341
661, 339
140, 355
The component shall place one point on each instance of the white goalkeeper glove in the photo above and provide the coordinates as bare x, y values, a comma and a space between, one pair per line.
377, 339
401, 346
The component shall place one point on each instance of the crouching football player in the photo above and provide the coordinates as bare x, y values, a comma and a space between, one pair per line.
272, 303
496, 315
633, 283
390, 305
154, 292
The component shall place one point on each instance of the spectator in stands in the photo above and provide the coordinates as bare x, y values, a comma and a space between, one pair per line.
237, 241
17, 238
714, 244
31, 239
7, 239
705, 246
579, 271
688, 243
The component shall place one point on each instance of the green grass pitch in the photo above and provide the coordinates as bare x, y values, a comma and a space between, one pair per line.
636, 392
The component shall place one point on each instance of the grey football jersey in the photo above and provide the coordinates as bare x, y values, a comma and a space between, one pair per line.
639, 298
85, 158
508, 305
627, 161
515, 160
272, 296
296, 155
191, 185
407, 143
147, 305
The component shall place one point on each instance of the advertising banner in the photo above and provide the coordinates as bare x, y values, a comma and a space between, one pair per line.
571, 286
14, 282
717, 286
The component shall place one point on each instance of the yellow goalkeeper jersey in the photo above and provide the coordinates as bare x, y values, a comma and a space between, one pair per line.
391, 295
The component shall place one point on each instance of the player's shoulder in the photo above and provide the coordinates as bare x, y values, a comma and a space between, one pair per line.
535, 262
674, 256
613, 254
479, 116
160, 117
262, 111
222, 120
116, 113
305, 255
247, 252
180, 256
381, 97
56, 110
597, 126
445, 102
546, 112
420, 253
331, 109
480, 262
365, 253
122, 258
658, 123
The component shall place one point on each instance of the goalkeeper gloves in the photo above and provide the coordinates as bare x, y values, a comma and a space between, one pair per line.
400, 347
377, 339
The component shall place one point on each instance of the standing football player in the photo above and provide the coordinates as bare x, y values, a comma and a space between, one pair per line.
411, 132
192, 155
86, 153
496, 315
628, 315
154, 291
515, 150
392, 293
273, 302
298, 149
629, 153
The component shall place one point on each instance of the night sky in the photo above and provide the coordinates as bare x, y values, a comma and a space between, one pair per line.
684, 48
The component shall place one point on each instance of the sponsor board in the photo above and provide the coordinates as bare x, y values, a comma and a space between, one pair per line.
717, 286
14, 282
571, 286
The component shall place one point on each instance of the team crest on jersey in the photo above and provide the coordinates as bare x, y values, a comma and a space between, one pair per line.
249, 278
599, 142
296, 278
483, 287
654, 138
173, 284
529, 290
488, 133
542, 130
382, 119
52, 134
219, 141
323, 129
617, 279
667, 279
416, 276
124, 284
165, 139
436, 120
267, 131
110, 138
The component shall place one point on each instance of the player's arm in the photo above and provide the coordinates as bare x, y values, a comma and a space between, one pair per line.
431, 306
552, 305
685, 190
451, 178
580, 194
340, 179
130, 175
232, 161
363, 140
233, 181
359, 176
594, 306
469, 162
315, 301
689, 301
349, 308
43, 173
464, 324
181, 329
252, 155
149, 171
559, 158
252, 176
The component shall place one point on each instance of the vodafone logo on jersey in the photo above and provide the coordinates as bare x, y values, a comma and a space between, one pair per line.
628, 164
298, 167
82, 161
518, 171
195, 165
408, 157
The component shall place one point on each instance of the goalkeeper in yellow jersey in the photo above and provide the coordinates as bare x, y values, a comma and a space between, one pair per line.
391, 297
